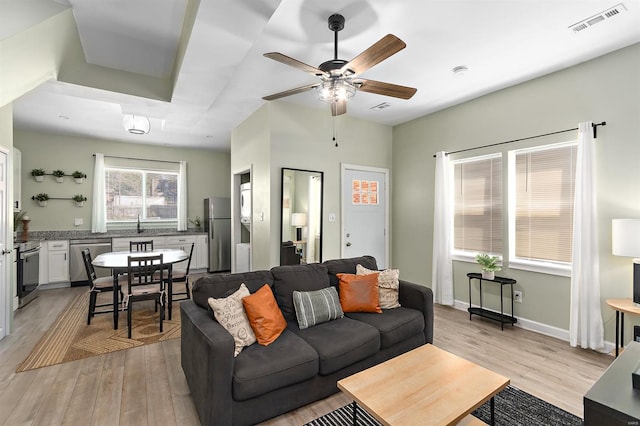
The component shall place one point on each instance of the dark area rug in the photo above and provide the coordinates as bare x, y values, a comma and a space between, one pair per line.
513, 407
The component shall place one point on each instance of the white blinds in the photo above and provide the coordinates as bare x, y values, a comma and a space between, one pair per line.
478, 205
545, 181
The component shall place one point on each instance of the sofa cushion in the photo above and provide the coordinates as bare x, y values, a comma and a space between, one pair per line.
264, 315
388, 285
340, 343
261, 369
230, 313
288, 278
222, 285
394, 325
348, 266
359, 293
316, 307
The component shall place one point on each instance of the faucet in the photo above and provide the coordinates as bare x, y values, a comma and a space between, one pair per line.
139, 229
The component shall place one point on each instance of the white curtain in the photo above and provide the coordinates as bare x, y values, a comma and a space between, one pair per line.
99, 211
442, 276
182, 197
585, 324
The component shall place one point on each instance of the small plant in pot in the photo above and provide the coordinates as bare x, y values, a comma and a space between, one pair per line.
59, 175
78, 176
41, 198
38, 174
79, 199
196, 222
489, 265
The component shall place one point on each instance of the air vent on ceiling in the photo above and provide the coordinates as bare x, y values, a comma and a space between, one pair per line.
381, 106
597, 18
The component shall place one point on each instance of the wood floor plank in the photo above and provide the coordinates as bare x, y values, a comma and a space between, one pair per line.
83, 399
133, 408
159, 404
107, 408
57, 396
183, 407
26, 409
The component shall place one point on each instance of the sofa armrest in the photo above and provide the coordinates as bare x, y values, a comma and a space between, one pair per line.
420, 298
207, 361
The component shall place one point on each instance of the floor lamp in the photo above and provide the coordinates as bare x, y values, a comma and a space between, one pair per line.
625, 241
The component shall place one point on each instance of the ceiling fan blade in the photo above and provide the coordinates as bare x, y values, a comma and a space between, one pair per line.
376, 53
386, 89
291, 92
295, 64
338, 108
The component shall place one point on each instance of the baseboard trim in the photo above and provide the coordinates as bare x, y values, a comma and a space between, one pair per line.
539, 327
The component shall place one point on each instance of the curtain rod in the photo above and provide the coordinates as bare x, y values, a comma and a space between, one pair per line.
141, 159
595, 136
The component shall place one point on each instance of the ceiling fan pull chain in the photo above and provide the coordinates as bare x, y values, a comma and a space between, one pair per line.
335, 130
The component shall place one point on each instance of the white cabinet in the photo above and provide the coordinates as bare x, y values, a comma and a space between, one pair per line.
58, 259
202, 250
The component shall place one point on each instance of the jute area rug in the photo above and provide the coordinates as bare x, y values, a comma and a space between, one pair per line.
71, 339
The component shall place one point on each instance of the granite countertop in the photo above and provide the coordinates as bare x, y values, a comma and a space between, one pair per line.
116, 233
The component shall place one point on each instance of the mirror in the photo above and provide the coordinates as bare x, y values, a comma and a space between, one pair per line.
301, 218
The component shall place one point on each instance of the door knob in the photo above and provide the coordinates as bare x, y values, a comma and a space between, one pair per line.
348, 244
4, 251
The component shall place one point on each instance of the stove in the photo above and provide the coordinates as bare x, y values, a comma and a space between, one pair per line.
28, 266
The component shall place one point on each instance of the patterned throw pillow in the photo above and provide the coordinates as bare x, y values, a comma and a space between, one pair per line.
316, 307
230, 313
388, 285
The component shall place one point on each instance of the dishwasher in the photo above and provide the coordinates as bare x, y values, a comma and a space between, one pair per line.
77, 272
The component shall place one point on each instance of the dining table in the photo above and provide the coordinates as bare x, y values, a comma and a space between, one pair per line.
117, 261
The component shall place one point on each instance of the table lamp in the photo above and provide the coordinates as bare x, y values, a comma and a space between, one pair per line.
625, 241
298, 220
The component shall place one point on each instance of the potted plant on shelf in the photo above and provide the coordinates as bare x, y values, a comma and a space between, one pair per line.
78, 176
79, 199
197, 223
59, 175
38, 174
42, 198
489, 265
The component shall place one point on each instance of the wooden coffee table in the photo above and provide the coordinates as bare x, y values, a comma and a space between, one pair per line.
426, 386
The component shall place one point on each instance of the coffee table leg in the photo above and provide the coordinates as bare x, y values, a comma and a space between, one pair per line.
355, 414
492, 404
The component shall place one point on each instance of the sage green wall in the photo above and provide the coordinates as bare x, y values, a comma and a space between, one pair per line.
603, 89
281, 134
208, 174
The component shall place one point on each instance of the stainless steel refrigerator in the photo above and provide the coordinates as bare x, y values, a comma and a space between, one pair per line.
217, 224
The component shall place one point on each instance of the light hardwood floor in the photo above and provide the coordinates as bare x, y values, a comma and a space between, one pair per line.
145, 385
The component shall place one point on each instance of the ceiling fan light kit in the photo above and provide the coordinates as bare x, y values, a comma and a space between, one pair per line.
340, 79
136, 124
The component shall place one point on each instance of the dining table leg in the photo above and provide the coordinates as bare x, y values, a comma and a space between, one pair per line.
116, 295
170, 289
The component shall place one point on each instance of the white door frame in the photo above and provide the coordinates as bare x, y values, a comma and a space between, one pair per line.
343, 168
6, 286
236, 227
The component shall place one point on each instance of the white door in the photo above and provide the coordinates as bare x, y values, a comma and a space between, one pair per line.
5, 250
365, 213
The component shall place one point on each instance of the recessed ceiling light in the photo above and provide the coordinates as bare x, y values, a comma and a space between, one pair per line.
460, 70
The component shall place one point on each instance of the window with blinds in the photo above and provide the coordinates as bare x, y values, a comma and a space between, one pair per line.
478, 205
544, 191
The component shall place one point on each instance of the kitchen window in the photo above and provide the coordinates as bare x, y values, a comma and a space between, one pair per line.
151, 195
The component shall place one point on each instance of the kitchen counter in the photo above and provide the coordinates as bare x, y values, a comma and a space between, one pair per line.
116, 233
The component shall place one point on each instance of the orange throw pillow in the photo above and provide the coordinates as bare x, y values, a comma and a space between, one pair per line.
359, 293
264, 315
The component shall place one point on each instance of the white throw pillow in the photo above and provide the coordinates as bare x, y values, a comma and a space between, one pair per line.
388, 285
230, 313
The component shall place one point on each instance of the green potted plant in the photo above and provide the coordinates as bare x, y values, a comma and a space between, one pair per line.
38, 174
42, 198
196, 222
489, 265
78, 176
59, 175
79, 199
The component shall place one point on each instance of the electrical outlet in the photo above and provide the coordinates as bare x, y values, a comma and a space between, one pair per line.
517, 296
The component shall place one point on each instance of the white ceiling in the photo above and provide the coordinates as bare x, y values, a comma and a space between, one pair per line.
210, 55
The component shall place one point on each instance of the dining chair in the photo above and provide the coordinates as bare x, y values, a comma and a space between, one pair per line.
141, 245
98, 285
145, 284
180, 275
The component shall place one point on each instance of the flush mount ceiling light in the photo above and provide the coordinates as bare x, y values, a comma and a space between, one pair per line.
136, 124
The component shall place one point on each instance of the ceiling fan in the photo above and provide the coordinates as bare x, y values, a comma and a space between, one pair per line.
339, 78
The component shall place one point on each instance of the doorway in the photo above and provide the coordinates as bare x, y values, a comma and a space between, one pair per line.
365, 212
6, 291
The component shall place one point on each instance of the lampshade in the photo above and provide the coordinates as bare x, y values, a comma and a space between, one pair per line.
136, 124
336, 90
625, 237
298, 219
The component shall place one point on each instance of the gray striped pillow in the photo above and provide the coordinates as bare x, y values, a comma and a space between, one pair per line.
315, 307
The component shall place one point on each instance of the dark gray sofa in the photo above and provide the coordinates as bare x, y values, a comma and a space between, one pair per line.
301, 366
